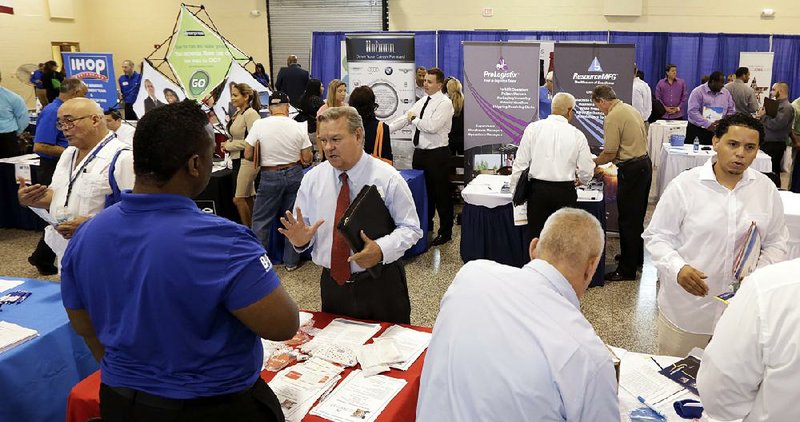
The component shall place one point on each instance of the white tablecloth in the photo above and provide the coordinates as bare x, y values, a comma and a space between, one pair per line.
791, 210
485, 190
674, 160
659, 134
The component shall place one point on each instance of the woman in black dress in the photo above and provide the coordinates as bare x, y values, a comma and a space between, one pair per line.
363, 100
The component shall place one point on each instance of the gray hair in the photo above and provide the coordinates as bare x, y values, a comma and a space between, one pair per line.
128, 62
603, 92
562, 102
571, 235
549, 76
354, 121
70, 85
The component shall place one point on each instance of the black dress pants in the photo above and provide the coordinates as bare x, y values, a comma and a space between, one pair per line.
775, 151
129, 113
703, 135
9, 147
633, 187
43, 255
256, 404
545, 199
379, 299
436, 165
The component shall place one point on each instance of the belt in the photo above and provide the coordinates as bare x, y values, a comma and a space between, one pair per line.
567, 184
279, 167
632, 160
361, 275
152, 400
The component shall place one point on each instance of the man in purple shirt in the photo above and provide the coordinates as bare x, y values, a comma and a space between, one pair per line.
672, 93
708, 103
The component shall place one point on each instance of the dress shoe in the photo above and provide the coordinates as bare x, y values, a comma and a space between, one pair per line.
440, 240
44, 269
618, 276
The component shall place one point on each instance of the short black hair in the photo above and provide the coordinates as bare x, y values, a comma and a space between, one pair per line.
668, 67
114, 113
739, 119
363, 100
716, 76
437, 72
166, 137
742, 71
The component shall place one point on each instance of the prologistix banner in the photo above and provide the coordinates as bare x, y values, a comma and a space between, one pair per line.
155, 91
96, 70
501, 91
760, 65
581, 67
385, 63
199, 57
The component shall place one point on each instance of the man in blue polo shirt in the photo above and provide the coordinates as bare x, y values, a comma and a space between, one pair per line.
49, 143
171, 300
129, 88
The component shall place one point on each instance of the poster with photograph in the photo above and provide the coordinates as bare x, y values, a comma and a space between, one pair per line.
385, 63
760, 65
155, 91
223, 107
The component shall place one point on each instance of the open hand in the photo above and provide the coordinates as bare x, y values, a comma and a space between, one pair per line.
370, 256
296, 230
29, 195
693, 281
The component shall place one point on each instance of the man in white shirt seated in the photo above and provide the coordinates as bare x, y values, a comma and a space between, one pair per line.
511, 344
698, 227
557, 154
749, 370
123, 130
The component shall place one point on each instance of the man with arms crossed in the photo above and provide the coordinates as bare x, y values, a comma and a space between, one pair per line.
173, 301
558, 369
698, 227
324, 195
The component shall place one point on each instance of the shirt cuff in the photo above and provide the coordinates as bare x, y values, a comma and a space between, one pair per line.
302, 248
389, 254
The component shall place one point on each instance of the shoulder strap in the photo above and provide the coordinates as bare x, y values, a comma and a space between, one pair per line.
114, 197
377, 149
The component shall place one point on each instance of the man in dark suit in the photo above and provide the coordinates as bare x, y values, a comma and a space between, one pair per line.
292, 80
151, 101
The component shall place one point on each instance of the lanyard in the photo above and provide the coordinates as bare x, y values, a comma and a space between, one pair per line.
82, 169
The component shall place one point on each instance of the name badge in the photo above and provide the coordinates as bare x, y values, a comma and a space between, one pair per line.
125, 83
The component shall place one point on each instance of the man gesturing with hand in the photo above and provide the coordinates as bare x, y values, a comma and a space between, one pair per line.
699, 226
325, 194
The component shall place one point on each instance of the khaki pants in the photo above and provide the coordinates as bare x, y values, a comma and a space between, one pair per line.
672, 341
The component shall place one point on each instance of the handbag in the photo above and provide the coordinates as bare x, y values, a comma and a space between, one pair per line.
377, 150
523, 189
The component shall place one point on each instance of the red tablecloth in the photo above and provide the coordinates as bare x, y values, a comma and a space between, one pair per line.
84, 401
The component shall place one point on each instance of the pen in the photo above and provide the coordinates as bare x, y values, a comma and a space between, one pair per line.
644, 402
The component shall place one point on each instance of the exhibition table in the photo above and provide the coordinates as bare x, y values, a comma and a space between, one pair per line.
12, 215
84, 402
488, 229
659, 134
36, 376
675, 160
791, 210
416, 183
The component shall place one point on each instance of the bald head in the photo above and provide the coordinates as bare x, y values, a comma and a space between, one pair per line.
82, 122
572, 241
563, 102
82, 106
780, 90
291, 60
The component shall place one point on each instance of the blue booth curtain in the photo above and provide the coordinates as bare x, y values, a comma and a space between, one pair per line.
451, 52
425, 48
326, 53
786, 63
651, 53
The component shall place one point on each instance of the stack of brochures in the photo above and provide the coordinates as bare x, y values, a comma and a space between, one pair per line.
12, 335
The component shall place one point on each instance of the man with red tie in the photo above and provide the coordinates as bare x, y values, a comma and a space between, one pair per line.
325, 193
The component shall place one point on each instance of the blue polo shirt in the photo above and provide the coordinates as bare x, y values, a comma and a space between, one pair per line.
37, 76
129, 86
46, 131
13, 112
545, 103
159, 279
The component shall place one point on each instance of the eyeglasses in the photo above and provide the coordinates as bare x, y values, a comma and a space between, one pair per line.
69, 123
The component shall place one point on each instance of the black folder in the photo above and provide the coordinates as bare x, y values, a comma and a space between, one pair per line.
770, 107
368, 212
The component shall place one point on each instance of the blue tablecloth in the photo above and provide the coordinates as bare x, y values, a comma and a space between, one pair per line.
416, 182
490, 233
37, 376
12, 215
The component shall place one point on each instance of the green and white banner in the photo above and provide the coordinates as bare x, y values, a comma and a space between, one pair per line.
199, 57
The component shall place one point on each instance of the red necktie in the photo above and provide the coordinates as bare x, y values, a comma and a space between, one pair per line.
340, 250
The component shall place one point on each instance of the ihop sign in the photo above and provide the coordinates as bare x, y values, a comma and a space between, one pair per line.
96, 70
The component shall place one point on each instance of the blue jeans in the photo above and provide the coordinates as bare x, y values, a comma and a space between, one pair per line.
276, 194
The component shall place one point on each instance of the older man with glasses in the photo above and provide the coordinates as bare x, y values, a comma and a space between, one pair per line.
81, 179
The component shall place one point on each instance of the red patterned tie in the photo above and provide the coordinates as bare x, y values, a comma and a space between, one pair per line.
340, 250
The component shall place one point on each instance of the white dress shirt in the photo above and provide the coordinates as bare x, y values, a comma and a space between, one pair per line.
317, 200
555, 151
701, 223
435, 123
642, 99
750, 369
125, 134
281, 138
90, 186
511, 344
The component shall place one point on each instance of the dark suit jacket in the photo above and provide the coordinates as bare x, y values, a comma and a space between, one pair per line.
292, 80
149, 104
